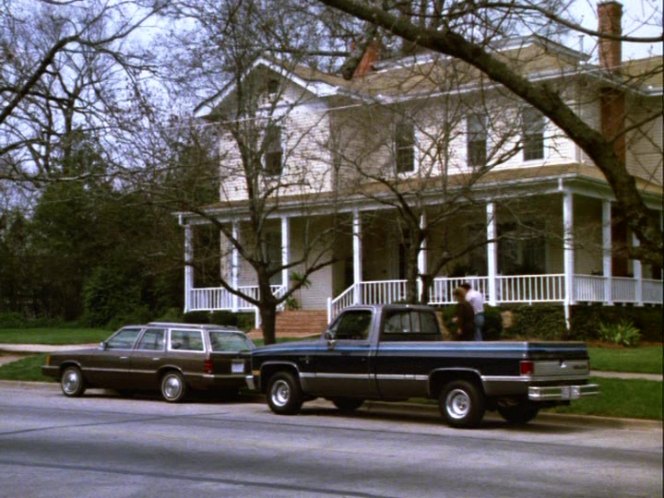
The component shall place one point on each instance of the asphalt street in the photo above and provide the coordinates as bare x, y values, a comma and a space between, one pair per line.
103, 445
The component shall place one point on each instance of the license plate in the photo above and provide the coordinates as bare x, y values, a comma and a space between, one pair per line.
237, 367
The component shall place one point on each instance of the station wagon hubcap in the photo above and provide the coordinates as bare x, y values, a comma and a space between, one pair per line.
70, 381
172, 387
280, 393
457, 403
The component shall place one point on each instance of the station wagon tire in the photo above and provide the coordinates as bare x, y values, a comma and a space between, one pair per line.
173, 387
517, 413
462, 404
284, 394
347, 405
72, 382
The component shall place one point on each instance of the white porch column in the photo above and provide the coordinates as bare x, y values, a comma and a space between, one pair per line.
188, 266
568, 250
357, 257
491, 252
607, 248
285, 250
235, 264
638, 274
422, 256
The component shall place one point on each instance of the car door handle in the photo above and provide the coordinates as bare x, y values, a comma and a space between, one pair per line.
156, 359
124, 357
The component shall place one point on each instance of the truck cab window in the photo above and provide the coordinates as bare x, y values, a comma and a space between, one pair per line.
353, 325
410, 325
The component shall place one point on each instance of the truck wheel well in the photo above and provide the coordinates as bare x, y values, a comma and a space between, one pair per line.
269, 370
438, 380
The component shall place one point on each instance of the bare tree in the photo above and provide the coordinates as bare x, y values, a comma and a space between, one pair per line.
468, 30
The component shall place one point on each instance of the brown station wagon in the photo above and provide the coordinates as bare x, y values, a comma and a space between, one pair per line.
170, 357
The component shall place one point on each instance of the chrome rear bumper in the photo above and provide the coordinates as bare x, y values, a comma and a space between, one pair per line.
561, 393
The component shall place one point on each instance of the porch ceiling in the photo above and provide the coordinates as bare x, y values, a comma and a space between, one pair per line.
495, 185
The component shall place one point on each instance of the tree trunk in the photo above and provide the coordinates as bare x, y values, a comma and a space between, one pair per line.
427, 283
268, 313
412, 251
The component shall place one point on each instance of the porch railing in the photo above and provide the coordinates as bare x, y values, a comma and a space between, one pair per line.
219, 298
510, 289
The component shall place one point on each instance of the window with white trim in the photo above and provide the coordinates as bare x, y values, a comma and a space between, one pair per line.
532, 130
404, 146
273, 151
477, 140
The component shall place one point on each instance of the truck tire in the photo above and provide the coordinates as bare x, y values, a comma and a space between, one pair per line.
284, 394
519, 413
347, 405
462, 404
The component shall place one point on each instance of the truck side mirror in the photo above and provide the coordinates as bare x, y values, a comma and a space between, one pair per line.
329, 337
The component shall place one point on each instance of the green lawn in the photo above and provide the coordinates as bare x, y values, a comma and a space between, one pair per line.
620, 398
644, 359
53, 336
28, 368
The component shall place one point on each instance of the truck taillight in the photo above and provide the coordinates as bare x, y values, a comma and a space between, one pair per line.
526, 367
208, 366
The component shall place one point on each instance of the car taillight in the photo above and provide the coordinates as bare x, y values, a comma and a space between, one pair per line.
526, 367
208, 366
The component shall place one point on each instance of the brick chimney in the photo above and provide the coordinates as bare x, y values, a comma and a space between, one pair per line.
609, 15
369, 58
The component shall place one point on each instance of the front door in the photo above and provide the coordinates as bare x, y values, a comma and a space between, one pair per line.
111, 367
345, 369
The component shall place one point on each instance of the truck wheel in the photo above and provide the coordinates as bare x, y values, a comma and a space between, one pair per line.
72, 382
462, 404
347, 404
517, 413
284, 395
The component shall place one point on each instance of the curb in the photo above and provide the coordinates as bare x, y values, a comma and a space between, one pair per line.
424, 410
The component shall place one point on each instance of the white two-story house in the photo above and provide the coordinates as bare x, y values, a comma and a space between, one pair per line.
476, 164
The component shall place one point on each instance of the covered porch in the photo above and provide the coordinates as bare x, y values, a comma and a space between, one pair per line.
577, 258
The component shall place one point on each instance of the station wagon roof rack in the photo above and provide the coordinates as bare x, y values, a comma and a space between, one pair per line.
196, 325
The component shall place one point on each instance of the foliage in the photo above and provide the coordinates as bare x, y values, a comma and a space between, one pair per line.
196, 317
586, 320
111, 296
620, 398
493, 324
622, 333
172, 315
53, 335
546, 322
292, 303
28, 368
11, 320
642, 359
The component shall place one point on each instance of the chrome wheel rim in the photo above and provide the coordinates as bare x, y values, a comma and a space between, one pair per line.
280, 393
457, 404
172, 387
71, 381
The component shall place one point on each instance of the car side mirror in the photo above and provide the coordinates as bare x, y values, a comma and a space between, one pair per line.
331, 341
102, 346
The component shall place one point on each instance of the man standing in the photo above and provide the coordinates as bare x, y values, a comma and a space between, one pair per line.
476, 300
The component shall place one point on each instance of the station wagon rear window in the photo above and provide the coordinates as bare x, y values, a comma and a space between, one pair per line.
225, 341
186, 340
124, 339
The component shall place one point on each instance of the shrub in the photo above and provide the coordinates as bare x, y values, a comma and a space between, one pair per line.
493, 323
546, 322
12, 320
196, 317
586, 320
173, 315
623, 333
223, 318
110, 296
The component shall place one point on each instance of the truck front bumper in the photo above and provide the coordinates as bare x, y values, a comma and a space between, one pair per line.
561, 393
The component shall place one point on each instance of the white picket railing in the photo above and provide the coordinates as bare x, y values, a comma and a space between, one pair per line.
510, 289
219, 298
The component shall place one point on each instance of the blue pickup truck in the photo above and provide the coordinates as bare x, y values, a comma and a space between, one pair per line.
396, 352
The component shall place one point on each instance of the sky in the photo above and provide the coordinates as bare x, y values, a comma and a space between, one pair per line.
640, 18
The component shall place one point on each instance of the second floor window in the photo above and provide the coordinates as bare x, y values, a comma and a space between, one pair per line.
532, 129
404, 145
273, 152
476, 132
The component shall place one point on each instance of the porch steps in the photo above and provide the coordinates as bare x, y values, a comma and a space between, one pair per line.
297, 323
